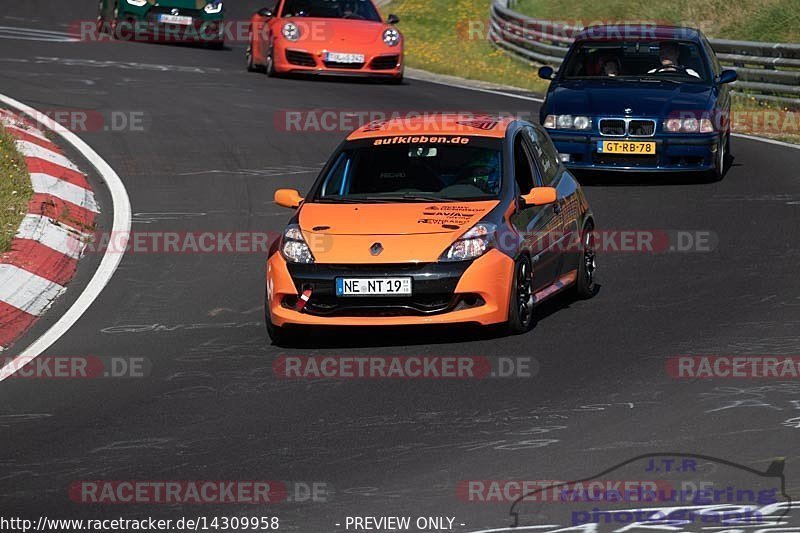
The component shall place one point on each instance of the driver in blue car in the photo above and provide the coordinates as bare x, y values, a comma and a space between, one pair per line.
668, 55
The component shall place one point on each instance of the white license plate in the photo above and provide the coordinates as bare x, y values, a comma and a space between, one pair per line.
175, 19
373, 286
335, 57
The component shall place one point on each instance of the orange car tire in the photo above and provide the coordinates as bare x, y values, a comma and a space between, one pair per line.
521, 316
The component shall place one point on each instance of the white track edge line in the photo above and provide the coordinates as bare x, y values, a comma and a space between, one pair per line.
766, 140
472, 88
111, 259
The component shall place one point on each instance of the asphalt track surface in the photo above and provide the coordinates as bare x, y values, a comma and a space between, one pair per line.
210, 159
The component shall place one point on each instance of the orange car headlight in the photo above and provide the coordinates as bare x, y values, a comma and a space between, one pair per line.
472, 244
294, 247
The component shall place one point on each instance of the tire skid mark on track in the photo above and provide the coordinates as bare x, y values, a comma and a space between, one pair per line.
130, 65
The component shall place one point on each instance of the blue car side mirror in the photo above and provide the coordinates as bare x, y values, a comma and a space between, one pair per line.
727, 76
546, 73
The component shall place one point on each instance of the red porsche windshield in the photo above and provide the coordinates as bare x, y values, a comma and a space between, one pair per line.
332, 9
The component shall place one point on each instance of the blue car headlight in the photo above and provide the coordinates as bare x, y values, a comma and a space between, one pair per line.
688, 125
567, 122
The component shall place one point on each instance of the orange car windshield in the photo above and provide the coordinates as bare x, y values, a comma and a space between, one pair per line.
332, 9
402, 172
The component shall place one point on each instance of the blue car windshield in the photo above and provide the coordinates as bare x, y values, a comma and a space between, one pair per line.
332, 9
667, 60
413, 172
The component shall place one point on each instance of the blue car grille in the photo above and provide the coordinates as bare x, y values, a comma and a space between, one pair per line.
619, 127
612, 126
641, 128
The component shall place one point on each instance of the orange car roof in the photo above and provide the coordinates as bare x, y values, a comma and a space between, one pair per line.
435, 124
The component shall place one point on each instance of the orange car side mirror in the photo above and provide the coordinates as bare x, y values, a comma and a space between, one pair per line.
288, 198
540, 196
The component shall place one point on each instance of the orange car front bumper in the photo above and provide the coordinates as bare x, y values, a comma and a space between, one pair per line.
488, 278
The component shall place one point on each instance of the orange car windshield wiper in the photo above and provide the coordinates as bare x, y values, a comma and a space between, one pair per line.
337, 199
409, 197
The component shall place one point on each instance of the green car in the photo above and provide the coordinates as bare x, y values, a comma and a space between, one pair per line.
199, 21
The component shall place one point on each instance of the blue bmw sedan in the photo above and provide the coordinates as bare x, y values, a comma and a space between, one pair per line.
640, 98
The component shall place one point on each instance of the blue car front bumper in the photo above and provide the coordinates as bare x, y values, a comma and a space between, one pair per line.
674, 153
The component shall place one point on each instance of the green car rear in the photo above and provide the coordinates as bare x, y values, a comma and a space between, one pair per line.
198, 21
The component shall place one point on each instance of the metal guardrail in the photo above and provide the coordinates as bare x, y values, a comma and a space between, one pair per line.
768, 72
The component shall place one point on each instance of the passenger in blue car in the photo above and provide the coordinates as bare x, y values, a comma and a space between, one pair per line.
611, 67
668, 55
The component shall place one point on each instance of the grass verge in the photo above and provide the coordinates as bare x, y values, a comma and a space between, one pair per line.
445, 37
15, 189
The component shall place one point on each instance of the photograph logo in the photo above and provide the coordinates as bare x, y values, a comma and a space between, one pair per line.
681, 491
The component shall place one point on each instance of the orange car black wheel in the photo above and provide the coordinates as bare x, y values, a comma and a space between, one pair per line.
521, 308
585, 285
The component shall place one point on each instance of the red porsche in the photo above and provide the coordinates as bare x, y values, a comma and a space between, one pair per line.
329, 37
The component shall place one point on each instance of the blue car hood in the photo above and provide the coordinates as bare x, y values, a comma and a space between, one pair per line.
651, 99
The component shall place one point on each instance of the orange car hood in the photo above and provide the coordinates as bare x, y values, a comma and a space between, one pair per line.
408, 232
339, 31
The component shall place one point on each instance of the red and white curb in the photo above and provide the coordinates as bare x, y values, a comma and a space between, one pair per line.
52, 236
121, 224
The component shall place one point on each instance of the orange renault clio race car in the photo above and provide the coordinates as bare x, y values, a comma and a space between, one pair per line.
440, 220
332, 37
